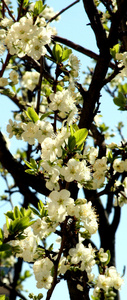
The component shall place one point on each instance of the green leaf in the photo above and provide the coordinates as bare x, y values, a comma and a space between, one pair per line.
33, 163
114, 50
57, 52
1, 235
120, 100
10, 215
29, 171
2, 297
28, 164
80, 136
71, 142
38, 8
110, 157
32, 115
16, 212
124, 87
5, 247
35, 211
27, 274
46, 115
25, 3
19, 225
66, 53
59, 88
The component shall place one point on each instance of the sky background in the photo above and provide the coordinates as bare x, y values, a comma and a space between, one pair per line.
73, 26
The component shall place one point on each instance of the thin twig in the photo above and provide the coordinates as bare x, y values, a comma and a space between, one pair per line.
39, 84
9, 12
20, 10
79, 48
62, 11
5, 64
50, 291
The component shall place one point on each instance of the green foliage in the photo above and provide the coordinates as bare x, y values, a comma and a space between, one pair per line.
2, 297
5, 247
41, 212
38, 8
110, 156
77, 137
46, 115
114, 50
19, 220
31, 114
60, 54
7, 92
33, 166
120, 101
1, 236
38, 297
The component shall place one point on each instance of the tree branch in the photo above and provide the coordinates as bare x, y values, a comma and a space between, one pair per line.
22, 179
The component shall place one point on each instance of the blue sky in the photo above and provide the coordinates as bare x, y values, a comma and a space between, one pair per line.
73, 26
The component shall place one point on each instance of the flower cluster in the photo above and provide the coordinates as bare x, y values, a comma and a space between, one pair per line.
63, 101
83, 256
106, 282
122, 57
25, 38
51, 123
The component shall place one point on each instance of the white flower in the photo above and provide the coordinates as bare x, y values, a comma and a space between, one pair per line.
60, 198
118, 165
62, 101
103, 256
98, 179
63, 265
5, 230
14, 76
28, 245
45, 282
93, 155
36, 49
24, 37
30, 130
76, 170
104, 282
74, 63
14, 128
77, 254
100, 165
45, 129
42, 269
5, 22
2, 34
30, 80
117, 281
3, 82
120, 200
50, 151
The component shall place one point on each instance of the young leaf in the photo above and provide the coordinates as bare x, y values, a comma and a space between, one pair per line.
66, 53
10, 215
2, 297
46, 115
57, 52
31, 113
16, 212
120, 100
5, 247
71, 142
38, 8
1, 235
80, 136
